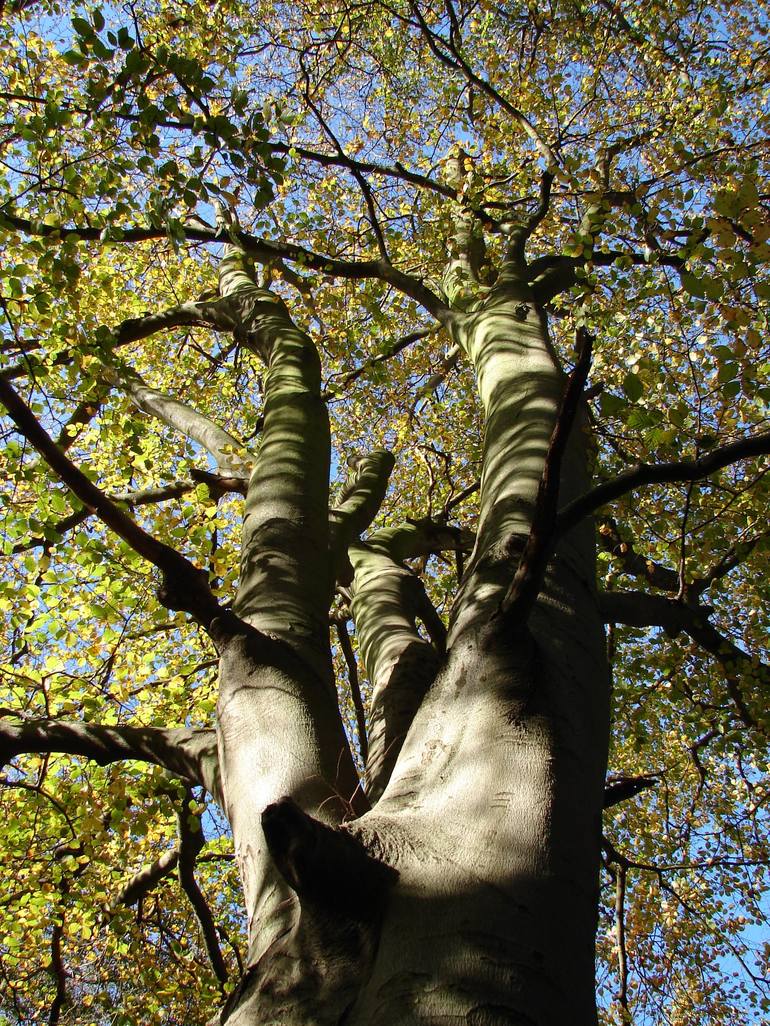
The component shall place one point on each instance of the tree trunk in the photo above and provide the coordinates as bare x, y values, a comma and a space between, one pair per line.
468, 894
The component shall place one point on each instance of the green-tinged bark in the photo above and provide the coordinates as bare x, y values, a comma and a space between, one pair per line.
400, 664
225, 448
280, 733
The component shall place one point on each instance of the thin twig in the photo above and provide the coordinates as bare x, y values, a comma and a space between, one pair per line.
355, 687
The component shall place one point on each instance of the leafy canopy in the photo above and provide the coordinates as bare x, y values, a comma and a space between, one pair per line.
331, 127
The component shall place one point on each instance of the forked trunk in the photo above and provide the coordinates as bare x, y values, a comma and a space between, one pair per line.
468, 893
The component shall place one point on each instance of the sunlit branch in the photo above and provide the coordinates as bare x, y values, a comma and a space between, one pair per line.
189, 754
182, 417
662, 473
360, 501
529, 575
144, 881
261, 250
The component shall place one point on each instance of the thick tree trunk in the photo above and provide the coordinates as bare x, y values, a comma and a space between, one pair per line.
492, 822
468, 894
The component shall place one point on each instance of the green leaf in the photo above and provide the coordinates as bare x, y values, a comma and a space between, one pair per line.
633, 387
83, 27
694, 286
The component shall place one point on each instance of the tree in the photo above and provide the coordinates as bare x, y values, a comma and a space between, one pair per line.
498, 270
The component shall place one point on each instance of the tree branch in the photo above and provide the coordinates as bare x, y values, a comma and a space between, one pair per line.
528, 579
59, 974
141, 883
262, 250
355, 687
181, 417
188, 754
363, 167
201, 314
639, 609
392, 350
620, 789
661, 473
631, 562
360, 502
460, 64
732, 558
191, 841
217, 484
185, 587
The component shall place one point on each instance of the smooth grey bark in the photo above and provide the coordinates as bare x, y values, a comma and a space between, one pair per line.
399, 663
222, 446
490, 812
280, 733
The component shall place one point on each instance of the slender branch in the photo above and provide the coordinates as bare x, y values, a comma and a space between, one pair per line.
662, 473
544, 202
393, 350
83, 414
459, 499
218, 485
262, 250
355, 172
341, 159
639, 609
191, 841
460, 64
620, 934
185, 587
731, 559
355, 687
529, 575
188, 754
